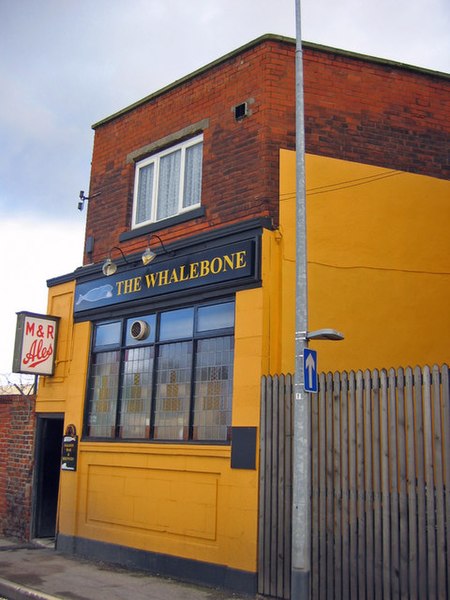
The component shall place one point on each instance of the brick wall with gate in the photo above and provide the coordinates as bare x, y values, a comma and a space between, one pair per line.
17, 424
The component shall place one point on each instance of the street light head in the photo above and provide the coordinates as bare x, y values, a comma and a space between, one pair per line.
325, 334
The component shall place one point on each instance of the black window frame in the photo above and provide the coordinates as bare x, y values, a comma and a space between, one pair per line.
122, 347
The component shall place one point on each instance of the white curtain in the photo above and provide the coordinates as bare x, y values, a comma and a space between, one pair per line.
169, 185
145, 192
193, 175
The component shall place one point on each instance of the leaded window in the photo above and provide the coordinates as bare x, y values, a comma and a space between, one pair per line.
163, 376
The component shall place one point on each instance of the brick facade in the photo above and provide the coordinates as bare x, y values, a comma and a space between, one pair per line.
377, 113
356, 108
17, 424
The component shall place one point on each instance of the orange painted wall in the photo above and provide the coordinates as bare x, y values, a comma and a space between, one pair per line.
378, 263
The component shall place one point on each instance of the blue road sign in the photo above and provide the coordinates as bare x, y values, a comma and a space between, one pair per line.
310, 370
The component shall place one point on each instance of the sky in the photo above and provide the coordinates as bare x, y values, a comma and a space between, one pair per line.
66, 64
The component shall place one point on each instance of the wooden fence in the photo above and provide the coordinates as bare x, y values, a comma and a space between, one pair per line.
380, 462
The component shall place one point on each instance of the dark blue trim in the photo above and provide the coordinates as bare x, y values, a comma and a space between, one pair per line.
182, 569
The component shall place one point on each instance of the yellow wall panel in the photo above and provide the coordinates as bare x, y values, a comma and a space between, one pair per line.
378, 263
180, 503
250, 352
185, 506
52, 390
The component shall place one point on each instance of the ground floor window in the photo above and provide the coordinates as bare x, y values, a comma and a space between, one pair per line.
163, 376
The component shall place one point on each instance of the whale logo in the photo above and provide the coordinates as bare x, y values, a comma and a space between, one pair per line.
96, 294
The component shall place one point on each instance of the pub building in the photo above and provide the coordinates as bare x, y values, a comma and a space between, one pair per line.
186, 295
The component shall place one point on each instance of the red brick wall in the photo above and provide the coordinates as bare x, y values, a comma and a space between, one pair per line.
240, 168
17, 422
355, 109
377, 113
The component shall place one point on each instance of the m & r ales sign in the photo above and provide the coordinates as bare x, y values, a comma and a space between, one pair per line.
35, 345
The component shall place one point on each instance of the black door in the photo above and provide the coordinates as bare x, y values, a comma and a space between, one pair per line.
49, 433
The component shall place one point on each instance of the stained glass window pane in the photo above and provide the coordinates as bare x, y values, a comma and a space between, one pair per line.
213, 388
103, 388
136, 392
173, 391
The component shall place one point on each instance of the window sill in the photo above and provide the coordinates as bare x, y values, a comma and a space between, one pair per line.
152, 227
219, 450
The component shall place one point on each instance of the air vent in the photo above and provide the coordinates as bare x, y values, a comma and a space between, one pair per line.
240, 111
139, 330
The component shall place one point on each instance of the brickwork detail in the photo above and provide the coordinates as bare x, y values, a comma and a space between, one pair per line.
17, 425
356, 109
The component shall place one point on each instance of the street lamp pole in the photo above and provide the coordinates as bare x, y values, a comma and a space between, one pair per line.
301, 518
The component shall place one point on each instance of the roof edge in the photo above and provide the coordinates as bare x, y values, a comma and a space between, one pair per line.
375, 59
186, 78
260, 40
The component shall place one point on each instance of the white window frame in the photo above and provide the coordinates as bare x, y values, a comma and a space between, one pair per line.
155, 160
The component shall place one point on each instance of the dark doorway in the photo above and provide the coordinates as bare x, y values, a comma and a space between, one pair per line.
49, 433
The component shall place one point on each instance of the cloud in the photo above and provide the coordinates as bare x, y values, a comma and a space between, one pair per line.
412, 32
32, 251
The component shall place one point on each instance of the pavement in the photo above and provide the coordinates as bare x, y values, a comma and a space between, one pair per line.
36, 571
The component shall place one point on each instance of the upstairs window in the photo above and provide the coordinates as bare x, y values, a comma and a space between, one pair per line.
168, 183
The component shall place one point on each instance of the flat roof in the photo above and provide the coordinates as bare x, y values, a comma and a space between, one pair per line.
260, 40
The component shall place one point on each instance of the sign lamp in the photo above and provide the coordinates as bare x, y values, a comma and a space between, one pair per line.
110, 267
148, 254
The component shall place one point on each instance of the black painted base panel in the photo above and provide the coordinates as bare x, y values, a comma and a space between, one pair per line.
165, 565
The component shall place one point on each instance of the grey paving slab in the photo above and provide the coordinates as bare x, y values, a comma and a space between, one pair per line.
41, 573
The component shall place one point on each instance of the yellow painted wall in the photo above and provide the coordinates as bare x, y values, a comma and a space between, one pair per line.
64, 392
378, 263
181, 500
